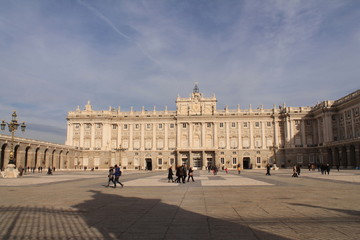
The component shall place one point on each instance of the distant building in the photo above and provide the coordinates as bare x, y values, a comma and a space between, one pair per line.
200, 135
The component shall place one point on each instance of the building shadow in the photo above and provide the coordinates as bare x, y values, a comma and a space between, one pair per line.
118, 217
343, 211
110, 216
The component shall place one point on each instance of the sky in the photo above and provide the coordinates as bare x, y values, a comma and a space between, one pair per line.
57, 55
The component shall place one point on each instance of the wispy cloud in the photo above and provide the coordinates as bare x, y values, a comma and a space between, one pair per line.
57, 55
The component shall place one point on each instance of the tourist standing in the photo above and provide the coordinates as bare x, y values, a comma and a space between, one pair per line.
191, 174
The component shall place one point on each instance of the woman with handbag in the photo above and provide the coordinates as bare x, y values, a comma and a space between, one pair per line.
191, 174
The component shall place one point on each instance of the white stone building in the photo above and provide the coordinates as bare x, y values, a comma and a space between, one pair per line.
199, 134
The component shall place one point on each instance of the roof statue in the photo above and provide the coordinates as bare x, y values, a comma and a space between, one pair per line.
196, 88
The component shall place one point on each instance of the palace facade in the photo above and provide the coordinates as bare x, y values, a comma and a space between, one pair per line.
199, 134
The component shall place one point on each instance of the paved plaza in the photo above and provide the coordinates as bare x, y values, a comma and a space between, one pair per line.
78, 205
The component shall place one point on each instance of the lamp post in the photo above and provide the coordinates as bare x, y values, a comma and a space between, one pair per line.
13, 125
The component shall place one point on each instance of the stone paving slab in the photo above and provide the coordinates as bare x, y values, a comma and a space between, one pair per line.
78, 206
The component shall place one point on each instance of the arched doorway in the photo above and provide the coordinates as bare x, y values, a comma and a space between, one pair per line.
246, 163
148, 164
2, 158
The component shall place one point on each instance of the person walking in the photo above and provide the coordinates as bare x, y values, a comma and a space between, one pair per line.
110, 176
170, 174
328, 169
268, 170
191, 174
239, 169
298, 169
184, 172
117, 175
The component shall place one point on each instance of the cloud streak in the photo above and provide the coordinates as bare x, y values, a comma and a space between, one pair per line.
57, 55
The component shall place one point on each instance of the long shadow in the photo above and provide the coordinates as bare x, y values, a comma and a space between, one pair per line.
348, 212
110, 216
117, 217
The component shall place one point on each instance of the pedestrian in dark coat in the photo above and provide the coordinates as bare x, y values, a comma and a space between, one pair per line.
184, 173
268, 170
170, 174
110, 176
191, 174
117, 175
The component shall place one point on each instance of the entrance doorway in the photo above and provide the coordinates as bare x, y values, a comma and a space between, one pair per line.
148, 164
246, 163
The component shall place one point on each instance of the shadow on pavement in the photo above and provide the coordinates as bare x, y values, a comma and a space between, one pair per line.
117, 217
110, 216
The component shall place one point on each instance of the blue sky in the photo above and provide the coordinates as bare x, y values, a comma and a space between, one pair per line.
56, 55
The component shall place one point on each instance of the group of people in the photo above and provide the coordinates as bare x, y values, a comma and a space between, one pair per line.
114, 176
181, 173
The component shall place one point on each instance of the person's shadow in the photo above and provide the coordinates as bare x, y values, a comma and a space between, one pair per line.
118, 217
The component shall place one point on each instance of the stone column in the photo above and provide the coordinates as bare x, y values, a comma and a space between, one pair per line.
204, 160
142, 137
178, 144
119, 135
203, 139
215, 136
263, 143
345, 132
154, 137
20, 158
190, 135
251, 135
81, 134
106, 136
227, 139
92, 141
166, 140
357, 156
239, 135
302, 129
276, 138
348, 157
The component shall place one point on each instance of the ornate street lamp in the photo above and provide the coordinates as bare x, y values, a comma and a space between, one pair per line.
13, 126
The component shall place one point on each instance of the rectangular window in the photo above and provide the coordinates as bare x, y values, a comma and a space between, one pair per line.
114, 126
257, 124
208, 125
268, 124
125, 126
137, 126
221, 125
148, 126
258, 160
171, 125
184, 125
160, 125
98, 125
233, 125
234, 162
160, 161
222, 160
245, 124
